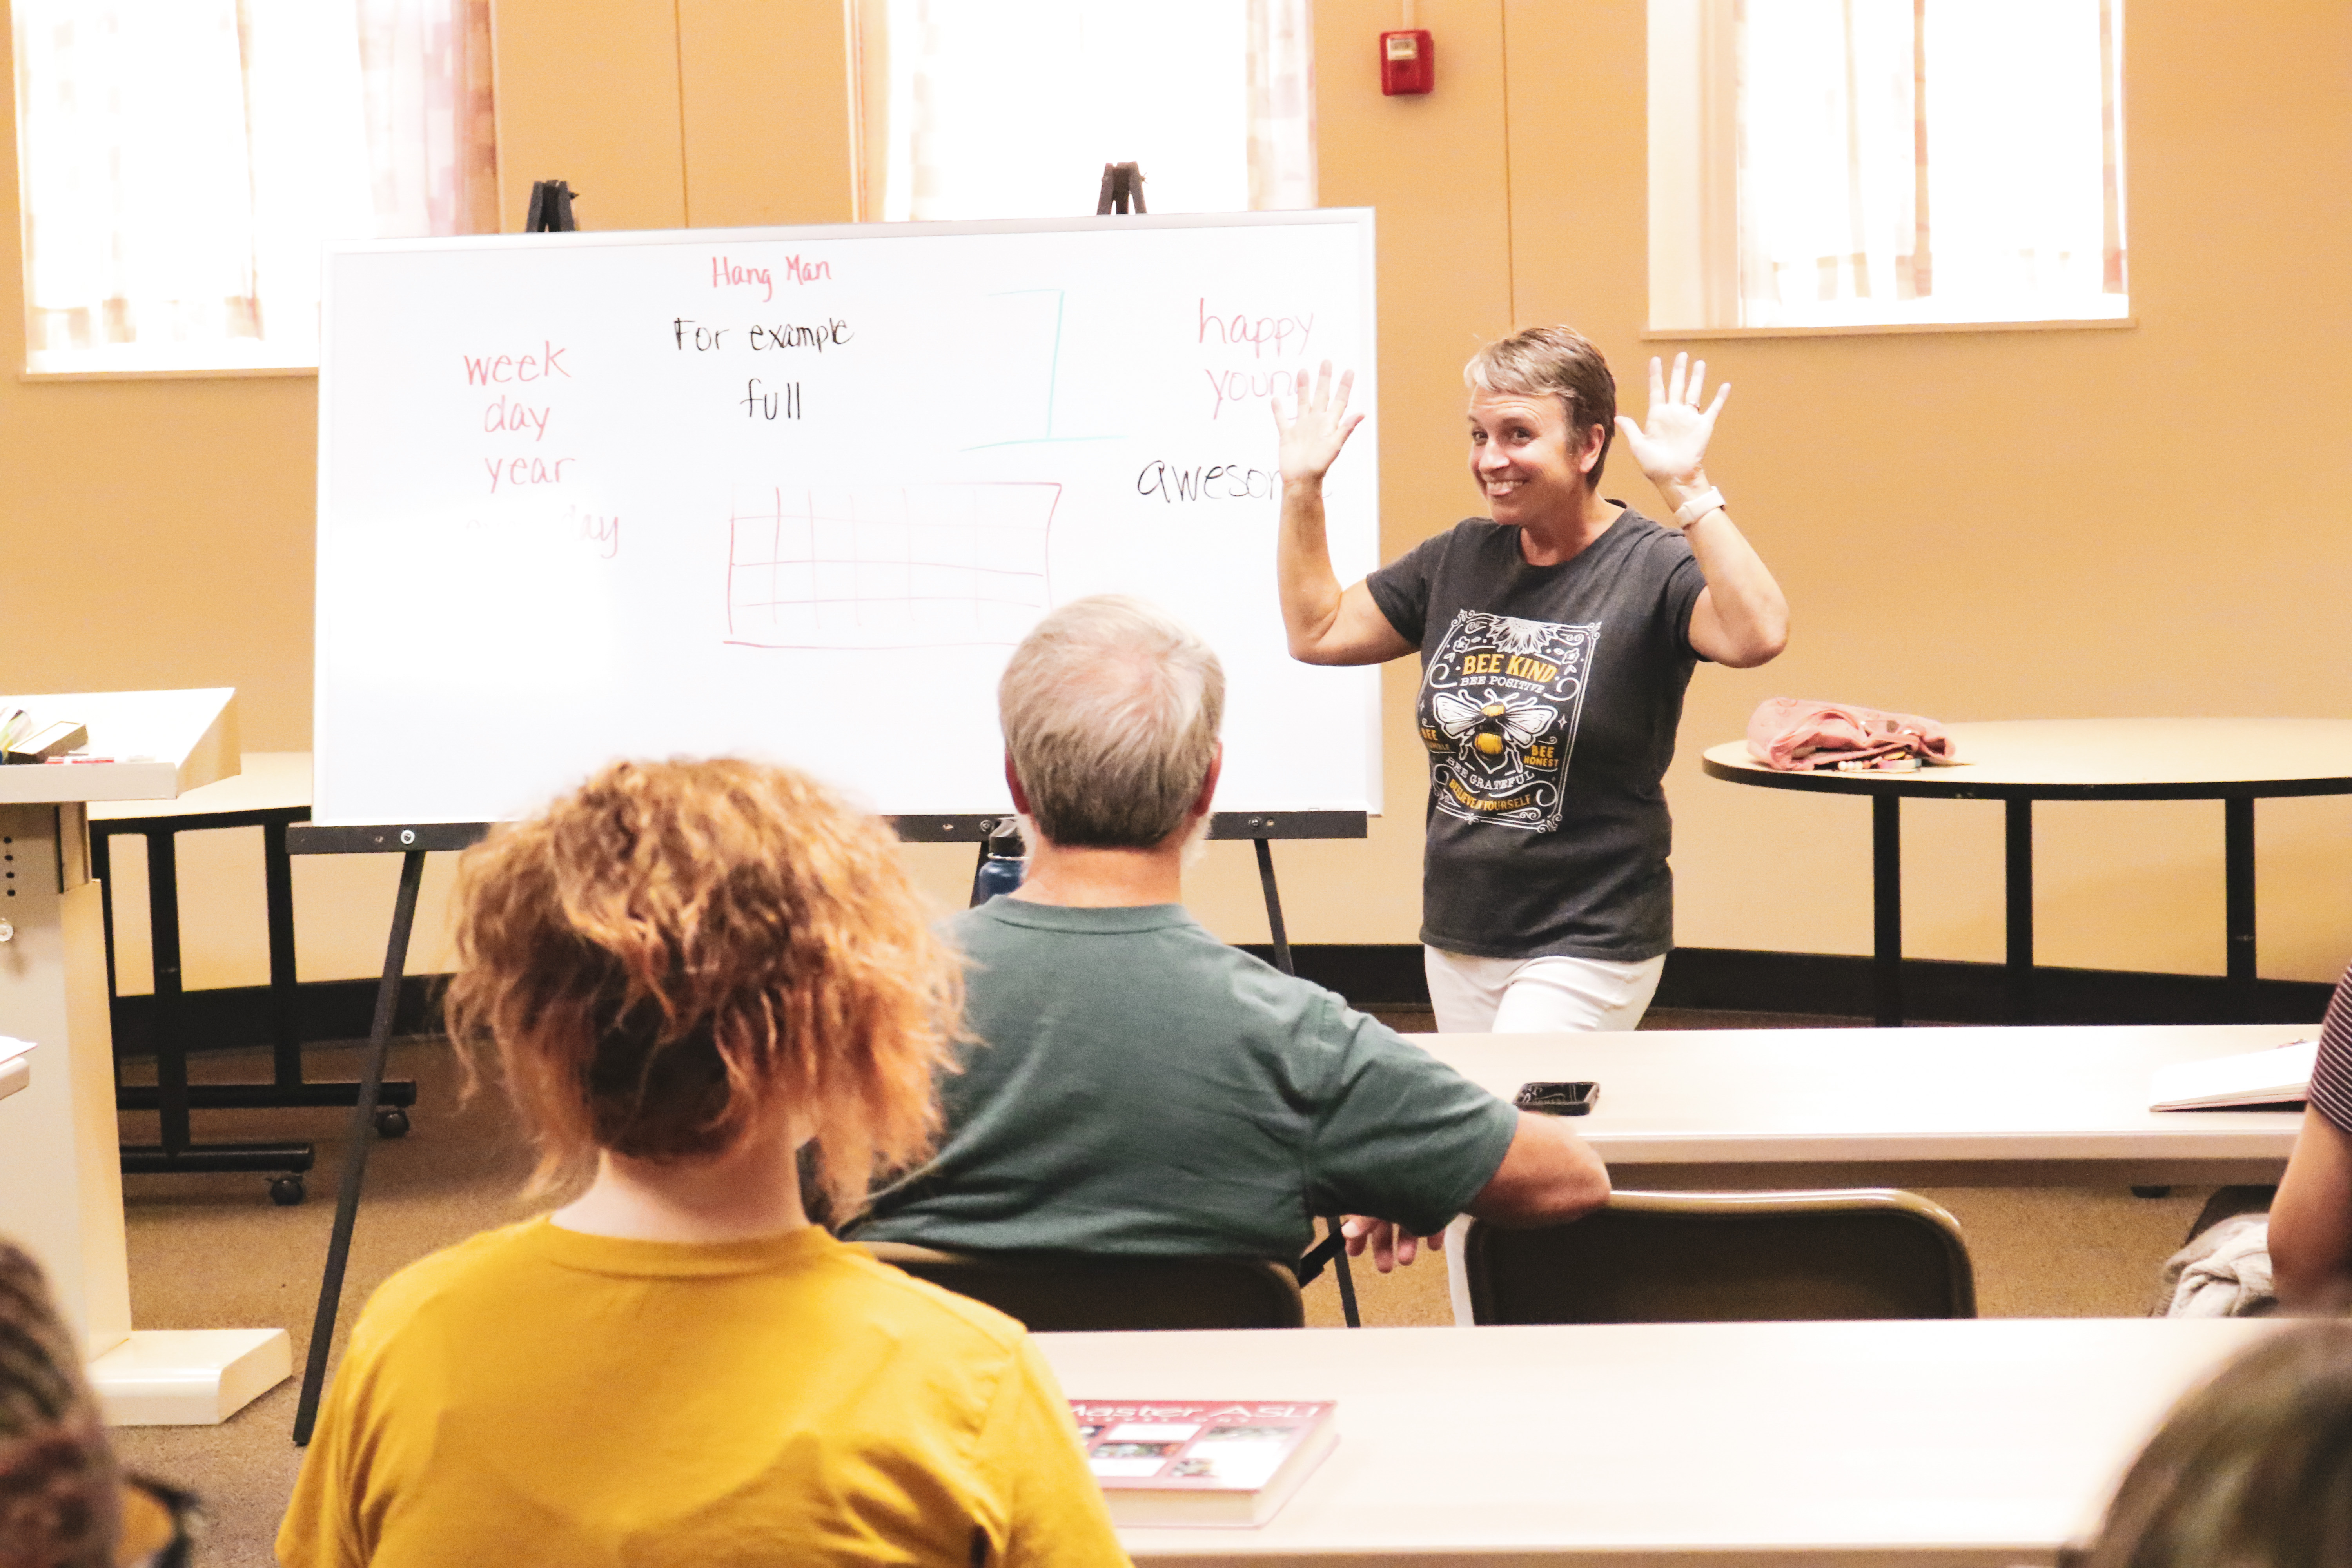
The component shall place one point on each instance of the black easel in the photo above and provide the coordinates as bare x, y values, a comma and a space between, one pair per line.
551, 208
1122, 189
410, 843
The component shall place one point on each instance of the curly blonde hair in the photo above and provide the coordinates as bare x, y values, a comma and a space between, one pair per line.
679, 950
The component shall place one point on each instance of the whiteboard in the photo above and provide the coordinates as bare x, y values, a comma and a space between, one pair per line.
795, 493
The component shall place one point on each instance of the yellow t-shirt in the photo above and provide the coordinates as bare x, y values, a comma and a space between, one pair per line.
537, 1395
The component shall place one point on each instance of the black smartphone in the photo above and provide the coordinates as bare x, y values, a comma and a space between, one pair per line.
1558, 1099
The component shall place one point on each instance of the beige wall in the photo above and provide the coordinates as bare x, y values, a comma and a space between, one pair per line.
2145, 521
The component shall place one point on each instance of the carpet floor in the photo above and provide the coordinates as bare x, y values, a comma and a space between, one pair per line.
214, 1252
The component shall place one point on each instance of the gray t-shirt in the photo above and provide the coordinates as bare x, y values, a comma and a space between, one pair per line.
1549, 695
1141, 1087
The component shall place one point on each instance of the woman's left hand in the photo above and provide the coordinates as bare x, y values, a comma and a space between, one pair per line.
1671, 445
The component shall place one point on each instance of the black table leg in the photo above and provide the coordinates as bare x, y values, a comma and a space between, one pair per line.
2019, 824
285, 1031
171, 1045
2238, 875
1886, 908
101, 871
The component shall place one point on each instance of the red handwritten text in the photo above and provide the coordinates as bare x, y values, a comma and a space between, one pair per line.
546, 364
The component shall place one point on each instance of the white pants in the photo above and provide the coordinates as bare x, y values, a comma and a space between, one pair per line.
1538, 995
1529, 997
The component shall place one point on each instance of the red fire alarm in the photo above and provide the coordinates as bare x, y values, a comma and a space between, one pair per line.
1408, 62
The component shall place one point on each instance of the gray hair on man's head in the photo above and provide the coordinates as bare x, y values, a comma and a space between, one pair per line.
1110, 710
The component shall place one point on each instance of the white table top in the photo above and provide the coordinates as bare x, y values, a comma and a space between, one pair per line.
1983, 1442
1999, 1106
190, 736
2119, 754
267, 781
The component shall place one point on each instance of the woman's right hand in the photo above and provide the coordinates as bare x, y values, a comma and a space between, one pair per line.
1319, 427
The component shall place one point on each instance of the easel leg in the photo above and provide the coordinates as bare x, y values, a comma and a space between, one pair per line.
1282, 961
363, 1137
1273, 907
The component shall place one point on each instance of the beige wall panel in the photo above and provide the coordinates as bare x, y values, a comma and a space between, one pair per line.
588, 92
2017, 524
1430, 166
765, 85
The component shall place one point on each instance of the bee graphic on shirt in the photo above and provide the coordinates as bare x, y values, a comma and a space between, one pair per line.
1493, 730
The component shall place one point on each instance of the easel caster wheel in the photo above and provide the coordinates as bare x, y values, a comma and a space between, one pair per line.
392, 1122
286, 1191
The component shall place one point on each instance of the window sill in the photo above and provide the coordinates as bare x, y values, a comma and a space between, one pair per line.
172, 373
1877, 329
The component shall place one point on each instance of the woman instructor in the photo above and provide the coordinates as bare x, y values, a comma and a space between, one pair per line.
1556, 635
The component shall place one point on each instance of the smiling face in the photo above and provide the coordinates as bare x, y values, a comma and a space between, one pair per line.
1524, 460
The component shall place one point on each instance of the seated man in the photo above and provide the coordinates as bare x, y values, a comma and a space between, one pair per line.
1141, 1088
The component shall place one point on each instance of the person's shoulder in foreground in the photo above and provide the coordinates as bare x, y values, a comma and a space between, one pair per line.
676, 1365
484, 1402
2310, 1230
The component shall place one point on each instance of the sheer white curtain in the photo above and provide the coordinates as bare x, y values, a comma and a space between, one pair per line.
979, 108
1929, 161
181, 160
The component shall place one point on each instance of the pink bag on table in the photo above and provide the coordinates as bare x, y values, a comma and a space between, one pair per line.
1797, 736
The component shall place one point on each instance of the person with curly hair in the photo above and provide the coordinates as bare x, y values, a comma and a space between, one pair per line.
64, 1500
699, 977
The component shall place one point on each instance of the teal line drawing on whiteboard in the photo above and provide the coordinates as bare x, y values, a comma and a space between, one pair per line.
926, 565
1053, 380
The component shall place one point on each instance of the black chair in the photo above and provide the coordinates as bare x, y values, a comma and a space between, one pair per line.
1060, 1292
1705, 1257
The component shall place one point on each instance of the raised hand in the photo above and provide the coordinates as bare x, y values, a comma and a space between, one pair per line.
1318, 425
1671, 444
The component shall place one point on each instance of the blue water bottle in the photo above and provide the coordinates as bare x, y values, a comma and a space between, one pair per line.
1002, 869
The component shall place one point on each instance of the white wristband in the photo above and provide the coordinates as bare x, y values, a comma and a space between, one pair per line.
1698, 506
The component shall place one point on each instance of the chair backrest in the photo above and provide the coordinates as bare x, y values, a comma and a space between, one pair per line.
1053, 1292
1705, 1258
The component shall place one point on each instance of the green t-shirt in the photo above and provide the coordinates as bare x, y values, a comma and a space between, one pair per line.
1141, 1088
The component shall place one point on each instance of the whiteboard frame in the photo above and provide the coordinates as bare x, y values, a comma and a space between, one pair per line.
1363, 219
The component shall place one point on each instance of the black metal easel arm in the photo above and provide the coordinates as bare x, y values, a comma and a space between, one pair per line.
347, 1197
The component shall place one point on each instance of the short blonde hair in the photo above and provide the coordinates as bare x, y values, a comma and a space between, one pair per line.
1110, 711
679, 948
1553, 361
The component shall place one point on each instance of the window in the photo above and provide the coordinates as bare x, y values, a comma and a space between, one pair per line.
181, 160
1875, 162
984, 109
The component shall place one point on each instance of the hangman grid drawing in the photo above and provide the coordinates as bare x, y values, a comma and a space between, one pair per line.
925, 565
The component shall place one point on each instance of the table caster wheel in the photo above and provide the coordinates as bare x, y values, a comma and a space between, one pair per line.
392, 1122
2152, 1192
286, 1191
